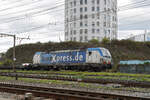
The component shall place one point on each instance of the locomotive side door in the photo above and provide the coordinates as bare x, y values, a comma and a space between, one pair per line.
92, 57
89, 56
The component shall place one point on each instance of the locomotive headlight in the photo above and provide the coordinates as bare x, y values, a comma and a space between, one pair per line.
104, 62
109, 62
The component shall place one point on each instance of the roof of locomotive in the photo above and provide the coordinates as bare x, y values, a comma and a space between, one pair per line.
59, 51
67, 50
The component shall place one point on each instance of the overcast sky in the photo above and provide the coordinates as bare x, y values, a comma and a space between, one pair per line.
41, 21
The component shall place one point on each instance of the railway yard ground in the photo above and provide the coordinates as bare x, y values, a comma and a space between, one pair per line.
60, 85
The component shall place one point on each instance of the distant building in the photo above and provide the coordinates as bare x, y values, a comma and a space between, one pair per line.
141, 38
90, 19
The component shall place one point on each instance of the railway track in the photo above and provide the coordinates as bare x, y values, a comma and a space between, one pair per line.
66, 94
86, 80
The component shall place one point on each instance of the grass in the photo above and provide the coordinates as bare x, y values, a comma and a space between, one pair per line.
82, 73
100, 75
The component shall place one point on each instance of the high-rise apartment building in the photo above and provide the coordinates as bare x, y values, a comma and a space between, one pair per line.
90, 19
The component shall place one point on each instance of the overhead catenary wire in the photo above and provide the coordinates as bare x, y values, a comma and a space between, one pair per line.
7, 20
145, 5
135, 23
14, 17
132, 4
29, 15
24, 11
21, 5
24, 5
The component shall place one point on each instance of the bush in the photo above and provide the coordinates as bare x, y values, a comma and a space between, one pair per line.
7, 62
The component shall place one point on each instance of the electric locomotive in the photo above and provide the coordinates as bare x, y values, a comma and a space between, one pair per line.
90, 59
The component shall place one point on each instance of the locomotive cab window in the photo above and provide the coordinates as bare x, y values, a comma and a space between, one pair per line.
90, 53
106, 53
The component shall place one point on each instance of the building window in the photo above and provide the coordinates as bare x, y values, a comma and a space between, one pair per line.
105, 9
98, 23
74, 24
105, 2
81, 31
98, 16
81, 38
86, 23
71, 32
86, 17
86, 38
98, 1
74, 39
98, 30
81, 2
104, 24
93, 30
66, 33
93, 24
74, 32
81, 9
86, 31
85, 9
104, 17
74, 18
81, 16
97, 8
85, 1
93, 8
71, 4
81, 23
74, 10
74, 3
93, 1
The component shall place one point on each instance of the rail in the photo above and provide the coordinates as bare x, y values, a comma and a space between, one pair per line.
64, 94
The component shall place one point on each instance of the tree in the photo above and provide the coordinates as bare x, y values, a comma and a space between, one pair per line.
94, 41
105, 40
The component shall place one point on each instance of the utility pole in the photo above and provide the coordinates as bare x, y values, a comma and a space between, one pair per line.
14, 56
14, 49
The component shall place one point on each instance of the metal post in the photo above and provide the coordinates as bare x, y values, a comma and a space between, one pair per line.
14, 57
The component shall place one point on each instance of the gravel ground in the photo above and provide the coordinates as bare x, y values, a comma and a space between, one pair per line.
92, 88
9, 96
4, 99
